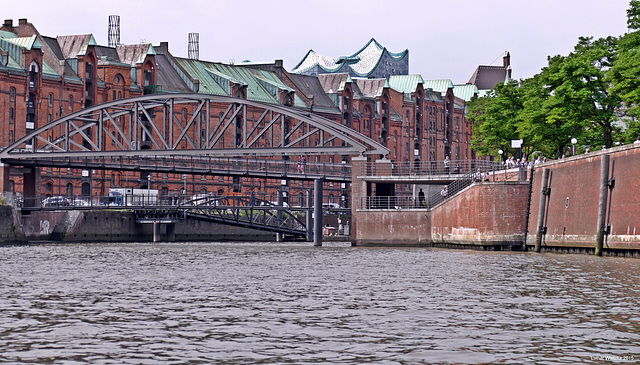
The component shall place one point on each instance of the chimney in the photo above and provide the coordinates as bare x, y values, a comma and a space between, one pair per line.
22, 21
194, 46
8, 24
114, 30
506, 59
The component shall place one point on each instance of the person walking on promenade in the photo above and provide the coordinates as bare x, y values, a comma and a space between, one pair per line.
447, 164
444, 192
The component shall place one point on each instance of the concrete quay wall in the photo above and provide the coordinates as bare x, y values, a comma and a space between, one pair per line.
109, 226
487, 215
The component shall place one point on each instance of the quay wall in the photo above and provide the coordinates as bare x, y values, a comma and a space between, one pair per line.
570, 212
109, 226
487, 215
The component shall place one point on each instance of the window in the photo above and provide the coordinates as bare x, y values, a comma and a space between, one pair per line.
10, 136
48, 187
69, 189
50, 99
10, 115
12, 94
70, 102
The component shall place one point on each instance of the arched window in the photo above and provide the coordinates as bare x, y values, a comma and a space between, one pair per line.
69, 189
70, 102
220, 191
12, 94
48, 187
50, 100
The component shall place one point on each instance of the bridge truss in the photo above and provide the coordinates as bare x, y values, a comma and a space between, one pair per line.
189, 125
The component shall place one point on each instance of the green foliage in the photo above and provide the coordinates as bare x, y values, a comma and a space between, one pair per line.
572, 97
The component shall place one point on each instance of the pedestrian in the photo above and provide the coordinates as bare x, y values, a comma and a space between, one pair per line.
444, 192
421, 198
447, 164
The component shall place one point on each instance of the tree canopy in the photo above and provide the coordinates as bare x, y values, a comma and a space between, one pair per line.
589, 94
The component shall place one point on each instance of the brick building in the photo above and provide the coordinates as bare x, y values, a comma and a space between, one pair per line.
43, 79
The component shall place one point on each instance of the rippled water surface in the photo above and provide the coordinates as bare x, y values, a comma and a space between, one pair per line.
293, 303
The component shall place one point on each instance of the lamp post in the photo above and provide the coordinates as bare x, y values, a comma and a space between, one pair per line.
149, 187
500, 152
573, 142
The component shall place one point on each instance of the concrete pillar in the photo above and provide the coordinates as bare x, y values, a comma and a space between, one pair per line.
602, 204
156, 232
541, 209
317, 212
31, 188
359, 192
5, 171
309, 217
171, 232
279, 236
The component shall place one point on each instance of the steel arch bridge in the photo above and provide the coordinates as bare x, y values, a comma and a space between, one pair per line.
185, 125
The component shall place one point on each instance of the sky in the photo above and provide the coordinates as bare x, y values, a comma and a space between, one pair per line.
446, 39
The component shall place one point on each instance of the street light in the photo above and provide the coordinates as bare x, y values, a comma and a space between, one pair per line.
573, 142
149, 186
500, 152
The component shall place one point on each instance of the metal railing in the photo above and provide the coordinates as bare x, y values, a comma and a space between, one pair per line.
198, 165
453, 167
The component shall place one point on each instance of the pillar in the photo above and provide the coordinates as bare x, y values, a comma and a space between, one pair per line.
317, 212
541, 209
602, 204
359, 192
156, 232
309, 217
5, 171
31, 187
171, 232
279, 236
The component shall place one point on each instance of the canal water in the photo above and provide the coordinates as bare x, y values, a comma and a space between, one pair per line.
275, 303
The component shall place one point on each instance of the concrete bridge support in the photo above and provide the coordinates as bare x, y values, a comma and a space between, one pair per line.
171, 232
32, 185
317, 212
309, 217
4, 178
156, 232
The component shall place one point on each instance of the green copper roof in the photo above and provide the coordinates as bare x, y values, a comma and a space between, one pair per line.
465, 92
405, 83
5, 34
438, 85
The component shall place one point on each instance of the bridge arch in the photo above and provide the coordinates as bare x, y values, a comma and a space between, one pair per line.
218, 126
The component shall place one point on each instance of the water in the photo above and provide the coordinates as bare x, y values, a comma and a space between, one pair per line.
204, 303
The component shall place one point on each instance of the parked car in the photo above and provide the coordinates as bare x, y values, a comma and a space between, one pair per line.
56, 201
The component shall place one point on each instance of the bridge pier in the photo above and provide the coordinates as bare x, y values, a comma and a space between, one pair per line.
309, 217
31, 187
5, 170
317, 212
156, 232
279, 236
171, 232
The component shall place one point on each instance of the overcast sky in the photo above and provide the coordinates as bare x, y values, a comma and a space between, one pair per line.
446, 39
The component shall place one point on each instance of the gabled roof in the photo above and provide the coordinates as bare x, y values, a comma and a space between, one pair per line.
361, 63
168, 77
405, 83
486, 77
310, 86
134, 53
333, 83
371, 88
440, 86
465, 92
74, 45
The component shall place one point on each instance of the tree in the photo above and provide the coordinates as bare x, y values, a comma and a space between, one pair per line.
495, 118
623, 75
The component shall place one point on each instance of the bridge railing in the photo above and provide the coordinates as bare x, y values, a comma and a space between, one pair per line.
453, 167
198, 164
